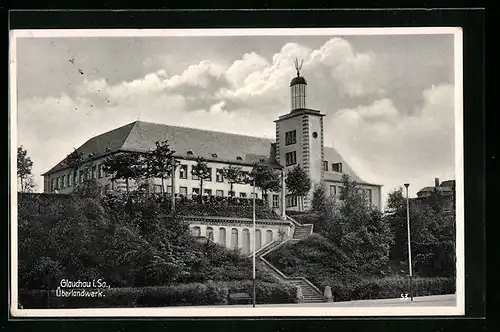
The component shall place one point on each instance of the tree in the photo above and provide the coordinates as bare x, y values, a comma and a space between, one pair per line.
159, 162
265, 178
202, 171
124, 166
298, 183
320, 203
359, 230
74, 160
234, 175
24, 166
432, 235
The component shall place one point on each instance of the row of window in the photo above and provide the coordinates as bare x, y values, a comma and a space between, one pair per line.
196, 231
183, 173
219, 193
367, 193
336, 167
75, 177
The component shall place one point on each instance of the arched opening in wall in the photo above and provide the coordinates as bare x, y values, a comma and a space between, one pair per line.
234, 238
246, 241
196, 231
210, 233
258, 239
222, 236
269, 236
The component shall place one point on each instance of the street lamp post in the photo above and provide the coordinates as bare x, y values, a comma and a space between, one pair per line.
409, 241
253, 217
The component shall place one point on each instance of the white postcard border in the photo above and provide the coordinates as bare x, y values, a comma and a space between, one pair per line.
259, 310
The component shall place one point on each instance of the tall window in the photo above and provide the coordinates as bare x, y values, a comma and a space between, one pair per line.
80, 176
183, 191
222, 236
325, 165
52, 184
75, 177
69, 180
291, 158
291, 200
157, 188
208, 192
169, 189
193, 176
234, 238
291, 137
183, 171
210, 233
276, 200
196, 191
99, 171
94, 172
58, 185
219, 193
218, 175
337, 167
63, 181
368, 195
258, 239
333, 190
210, 173
269, 236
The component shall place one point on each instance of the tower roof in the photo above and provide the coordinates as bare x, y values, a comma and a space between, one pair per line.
298, 80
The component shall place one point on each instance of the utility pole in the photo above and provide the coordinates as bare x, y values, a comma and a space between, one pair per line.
254, 233
409, 240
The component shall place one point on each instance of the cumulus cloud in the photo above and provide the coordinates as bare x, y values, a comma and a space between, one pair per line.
384, 144
390, 147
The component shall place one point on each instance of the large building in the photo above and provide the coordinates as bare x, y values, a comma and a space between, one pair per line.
299, 141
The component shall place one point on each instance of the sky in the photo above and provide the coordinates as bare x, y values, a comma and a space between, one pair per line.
388, 99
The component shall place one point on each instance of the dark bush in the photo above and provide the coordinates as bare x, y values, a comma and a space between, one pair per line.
210, 293
390, 287
265, 292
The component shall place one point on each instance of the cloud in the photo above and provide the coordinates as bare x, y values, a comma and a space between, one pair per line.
389, 147
383, 143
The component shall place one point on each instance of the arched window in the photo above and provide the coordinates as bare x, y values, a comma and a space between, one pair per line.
246, 241
222, 236
269, 236
234, 238
210, 233
196, 231
258, 239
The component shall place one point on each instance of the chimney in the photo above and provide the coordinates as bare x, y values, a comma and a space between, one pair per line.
436, 182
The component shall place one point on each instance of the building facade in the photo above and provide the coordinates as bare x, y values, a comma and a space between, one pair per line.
299, 141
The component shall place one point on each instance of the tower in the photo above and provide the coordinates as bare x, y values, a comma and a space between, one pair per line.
299, 137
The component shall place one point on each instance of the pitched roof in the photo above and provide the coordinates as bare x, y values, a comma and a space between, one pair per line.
141, 136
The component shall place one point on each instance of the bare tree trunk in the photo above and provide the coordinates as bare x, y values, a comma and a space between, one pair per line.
22, 185
201, 190
231, 189
163, 186
126, 185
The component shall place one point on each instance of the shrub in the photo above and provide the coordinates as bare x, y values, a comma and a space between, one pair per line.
265, 292
389, 287
162, 296
194, 294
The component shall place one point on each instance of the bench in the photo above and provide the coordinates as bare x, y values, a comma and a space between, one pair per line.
235, 297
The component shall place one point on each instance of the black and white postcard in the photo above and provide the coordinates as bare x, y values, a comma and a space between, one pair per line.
238, 172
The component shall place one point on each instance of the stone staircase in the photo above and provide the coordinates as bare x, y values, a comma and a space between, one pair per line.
311, 294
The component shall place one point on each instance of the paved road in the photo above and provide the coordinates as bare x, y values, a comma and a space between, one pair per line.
421, 301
